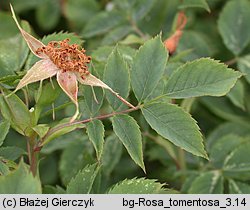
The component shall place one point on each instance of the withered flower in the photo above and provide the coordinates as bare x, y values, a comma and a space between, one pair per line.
67, 62
172, 42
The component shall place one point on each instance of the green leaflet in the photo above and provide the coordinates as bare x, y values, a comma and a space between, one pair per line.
148, 68
158, 91
63, 127
116, 76
13, 48
137, 186
4, 129
116, 34
237, 163
64, 141
132, 39
50, 163
194, 45
41, 129
201, 77
78, 12
93, 98
20, 181
141, 9
82, 183
11, 79
177, 126
50, 10
11, 152
14, 52
194, 3
237, 95
222, 107
207, 183
223, 147
112, 153
74, 158
234, 128
102, 53
95, 131
4, 169
26, 4
15, 111
244, 66
127, 129
96, 26
236, 187
188, 181
233, 25
48, 94
7, 25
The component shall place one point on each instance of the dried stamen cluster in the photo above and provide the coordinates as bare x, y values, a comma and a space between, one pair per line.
67, 57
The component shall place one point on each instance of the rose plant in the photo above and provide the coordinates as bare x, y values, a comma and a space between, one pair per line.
161, 105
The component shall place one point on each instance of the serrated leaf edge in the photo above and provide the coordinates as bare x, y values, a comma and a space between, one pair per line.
205, 59
195, 123
136, 54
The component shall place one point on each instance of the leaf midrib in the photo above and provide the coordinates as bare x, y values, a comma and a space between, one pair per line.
124, 131
202, 86
191, 146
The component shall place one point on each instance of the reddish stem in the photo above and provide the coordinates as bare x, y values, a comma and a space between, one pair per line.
39, 145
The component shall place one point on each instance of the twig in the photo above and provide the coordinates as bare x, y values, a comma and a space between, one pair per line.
231, 62
137, 30
101, 117
123, 100
32, 154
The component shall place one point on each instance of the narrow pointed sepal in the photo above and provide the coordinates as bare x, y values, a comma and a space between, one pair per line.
42, 70
93, 81
68, 82
32, 42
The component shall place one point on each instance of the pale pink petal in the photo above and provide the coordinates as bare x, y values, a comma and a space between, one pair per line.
32, 42
41, 70
93, 81
68, 82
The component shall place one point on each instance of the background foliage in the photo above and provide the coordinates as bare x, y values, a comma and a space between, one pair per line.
190, 132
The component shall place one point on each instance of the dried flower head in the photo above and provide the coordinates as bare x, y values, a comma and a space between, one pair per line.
67, 57
67, 62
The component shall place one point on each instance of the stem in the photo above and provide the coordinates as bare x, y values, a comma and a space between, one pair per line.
101, 117
29, 150
231, 62
137, 30
32, 155
182, 164
123, 100
187, 103
33, 164
182, 159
